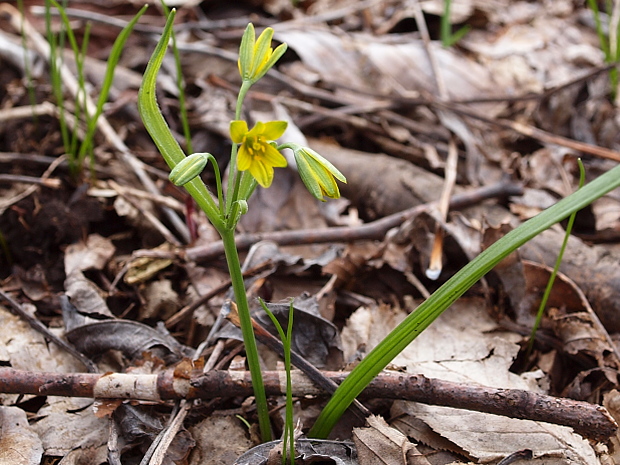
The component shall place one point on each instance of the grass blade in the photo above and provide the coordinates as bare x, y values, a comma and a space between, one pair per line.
428, 311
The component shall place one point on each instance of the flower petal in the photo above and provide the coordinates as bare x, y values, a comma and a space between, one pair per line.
323, 161
262, 173
238, 130
310, 182
275, 56
274, 129
257, 130
246, 52
244, 159
262, 52
272, 157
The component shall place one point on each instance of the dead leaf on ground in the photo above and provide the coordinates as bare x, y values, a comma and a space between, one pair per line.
19, 444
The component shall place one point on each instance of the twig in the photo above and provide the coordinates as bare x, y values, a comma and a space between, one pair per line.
52, 183
532, 131
47, 334
374, 230
589, 420
155, 198
30, 189
147, 214
426, 39
237, 22
189, 309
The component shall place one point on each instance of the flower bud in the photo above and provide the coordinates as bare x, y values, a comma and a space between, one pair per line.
189, 168
317, 173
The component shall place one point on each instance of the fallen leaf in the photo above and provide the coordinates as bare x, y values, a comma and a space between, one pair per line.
381, 444
19, 443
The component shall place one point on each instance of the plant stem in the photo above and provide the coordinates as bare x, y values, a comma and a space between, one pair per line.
251, 350
232, 191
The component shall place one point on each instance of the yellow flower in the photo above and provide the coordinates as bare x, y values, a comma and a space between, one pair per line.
317, 173
256, 56
256, 154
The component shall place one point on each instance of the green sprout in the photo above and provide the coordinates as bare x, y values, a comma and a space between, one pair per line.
77, 154
449, 38
558, 262
288, 436
610, 42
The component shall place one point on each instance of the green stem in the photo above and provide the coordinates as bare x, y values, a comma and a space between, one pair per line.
236, 277
558, 262
232, 191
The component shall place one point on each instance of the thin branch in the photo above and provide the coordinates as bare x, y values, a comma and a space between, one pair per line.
374, 230
589, 420
47, 334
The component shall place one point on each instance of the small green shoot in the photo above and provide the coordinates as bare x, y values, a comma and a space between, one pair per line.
288, 436
55, 43
181, 86
86, 149
244, 421
449, 38
76, 151
79, 55
27, 56
558, 262
610, 49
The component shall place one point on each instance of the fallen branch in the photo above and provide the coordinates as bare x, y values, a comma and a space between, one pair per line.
374, 230
589, 420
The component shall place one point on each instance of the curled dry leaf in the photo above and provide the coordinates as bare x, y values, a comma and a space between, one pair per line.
129, 337
571, 317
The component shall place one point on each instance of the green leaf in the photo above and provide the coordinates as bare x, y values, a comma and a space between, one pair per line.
157, 127
428, 311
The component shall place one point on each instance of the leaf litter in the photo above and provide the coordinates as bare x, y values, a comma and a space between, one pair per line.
359, 86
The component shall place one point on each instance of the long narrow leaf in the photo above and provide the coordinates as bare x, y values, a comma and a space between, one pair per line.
426, 313
181, 87
160, 132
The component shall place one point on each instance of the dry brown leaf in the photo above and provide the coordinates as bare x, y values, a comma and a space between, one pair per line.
390, 66
68, 424
161, 300
92, 254
487, 437
19, 444
571, 317
381, 444
222, 448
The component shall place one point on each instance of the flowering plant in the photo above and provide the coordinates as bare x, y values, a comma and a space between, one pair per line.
254, 155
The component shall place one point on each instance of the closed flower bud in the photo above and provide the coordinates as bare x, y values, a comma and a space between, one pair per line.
317, 173
189, 168
256, 56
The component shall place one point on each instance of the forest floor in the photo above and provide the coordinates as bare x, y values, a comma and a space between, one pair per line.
112, 258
